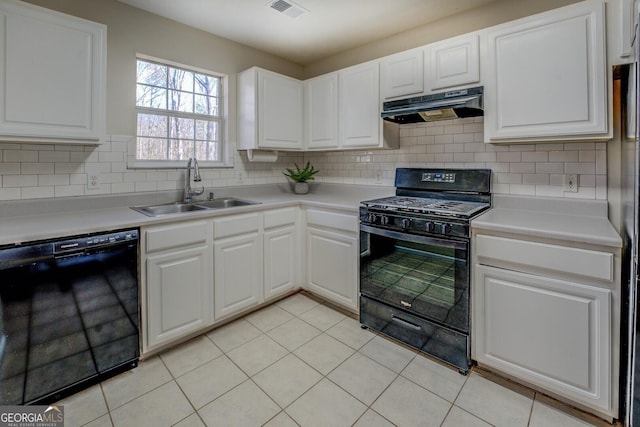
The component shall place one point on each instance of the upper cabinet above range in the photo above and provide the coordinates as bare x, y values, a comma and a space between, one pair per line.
453, 62
435, 67
402, 74
545, 77
52, 76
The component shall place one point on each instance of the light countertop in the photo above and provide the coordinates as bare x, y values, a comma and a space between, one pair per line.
24, 221
571, 220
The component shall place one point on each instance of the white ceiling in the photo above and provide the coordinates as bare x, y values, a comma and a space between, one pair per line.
329, 27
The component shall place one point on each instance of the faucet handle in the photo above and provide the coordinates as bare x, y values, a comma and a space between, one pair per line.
210, 196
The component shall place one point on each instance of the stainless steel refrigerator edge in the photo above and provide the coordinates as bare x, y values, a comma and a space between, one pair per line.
627, 90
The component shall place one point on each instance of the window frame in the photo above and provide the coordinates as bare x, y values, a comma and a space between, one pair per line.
226, 159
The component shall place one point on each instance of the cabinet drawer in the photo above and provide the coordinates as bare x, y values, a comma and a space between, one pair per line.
335, 220
580, 262
280, 217
236, 224
175, 235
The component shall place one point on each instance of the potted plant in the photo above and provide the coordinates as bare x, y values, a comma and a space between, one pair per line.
300, 177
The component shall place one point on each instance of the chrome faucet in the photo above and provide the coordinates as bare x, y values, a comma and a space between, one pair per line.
188, 192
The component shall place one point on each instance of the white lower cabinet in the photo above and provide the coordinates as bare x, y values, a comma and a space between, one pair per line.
198, 272
176, 277
550, 332
281, 252
544, 314
332, 256
238, 263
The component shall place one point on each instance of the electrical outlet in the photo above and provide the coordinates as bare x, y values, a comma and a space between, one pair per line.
571, 183
93, 181
379, 176
239, 176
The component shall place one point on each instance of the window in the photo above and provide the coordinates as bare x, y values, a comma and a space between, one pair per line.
180, 113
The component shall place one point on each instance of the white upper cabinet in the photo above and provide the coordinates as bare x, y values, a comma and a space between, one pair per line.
270, 111
545, 77
52, 76
452, 62
402, 74
322, 112
621, 30
359, 106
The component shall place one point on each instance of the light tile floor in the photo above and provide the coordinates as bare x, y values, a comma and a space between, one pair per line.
301, 362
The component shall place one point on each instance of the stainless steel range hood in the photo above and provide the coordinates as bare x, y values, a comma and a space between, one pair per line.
438, 106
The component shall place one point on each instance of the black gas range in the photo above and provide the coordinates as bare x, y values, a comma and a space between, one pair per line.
415, 256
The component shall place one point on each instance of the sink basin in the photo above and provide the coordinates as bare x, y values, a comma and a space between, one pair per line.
168, 208
178, 207
225, 202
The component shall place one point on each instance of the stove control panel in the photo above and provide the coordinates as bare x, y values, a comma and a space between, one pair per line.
432, 226
448, 177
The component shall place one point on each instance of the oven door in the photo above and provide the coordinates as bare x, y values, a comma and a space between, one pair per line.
425, 276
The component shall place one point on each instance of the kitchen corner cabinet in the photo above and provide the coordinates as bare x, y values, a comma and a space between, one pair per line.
238, 263
281, 252
332, 256
176, 277
452, 63
321, 95
545, 76
270, 111
52, 76
544, 313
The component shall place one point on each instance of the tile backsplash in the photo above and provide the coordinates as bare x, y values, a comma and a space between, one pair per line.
31, 171
523, 169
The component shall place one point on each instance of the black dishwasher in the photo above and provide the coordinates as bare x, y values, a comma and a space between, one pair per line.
69, 314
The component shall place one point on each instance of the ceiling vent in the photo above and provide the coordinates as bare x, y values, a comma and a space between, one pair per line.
288, 8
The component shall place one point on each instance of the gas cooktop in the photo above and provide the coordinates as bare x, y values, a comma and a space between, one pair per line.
427, 205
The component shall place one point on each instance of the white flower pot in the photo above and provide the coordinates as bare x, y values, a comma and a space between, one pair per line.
301, 188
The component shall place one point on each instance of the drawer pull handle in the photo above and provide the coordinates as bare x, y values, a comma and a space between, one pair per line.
405, 304
405, 323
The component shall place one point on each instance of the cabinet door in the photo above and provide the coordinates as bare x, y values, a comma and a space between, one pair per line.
322, 112
546, 76
359, 106
332, 266
281, 258
280, 111
178, 294
453, 62
552, 333
52, 74
237, 273
402, 74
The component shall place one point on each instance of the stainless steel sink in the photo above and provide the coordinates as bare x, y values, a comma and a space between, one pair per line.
225, 202
178, 207
168, 208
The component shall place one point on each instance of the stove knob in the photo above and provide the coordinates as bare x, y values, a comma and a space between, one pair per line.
405, 223
444, 228
428, 227
384, 220
372, 218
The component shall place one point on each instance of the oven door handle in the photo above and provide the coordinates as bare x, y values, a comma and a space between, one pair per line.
416, 238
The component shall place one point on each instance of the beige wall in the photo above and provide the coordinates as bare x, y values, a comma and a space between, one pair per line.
492, 14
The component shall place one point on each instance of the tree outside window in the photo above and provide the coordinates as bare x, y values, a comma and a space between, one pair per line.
179, 113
